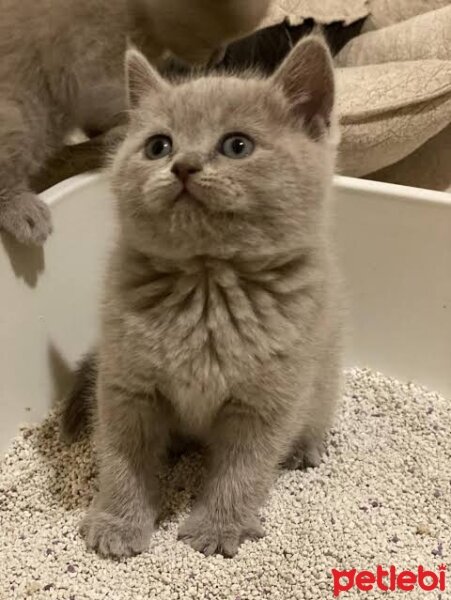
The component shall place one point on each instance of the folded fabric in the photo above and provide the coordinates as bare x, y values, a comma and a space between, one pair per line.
386, 12
388, 110
426, 36
326, 11
428, 167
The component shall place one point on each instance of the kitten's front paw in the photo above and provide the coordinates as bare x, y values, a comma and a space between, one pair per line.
27, 218
202, 533
112, 537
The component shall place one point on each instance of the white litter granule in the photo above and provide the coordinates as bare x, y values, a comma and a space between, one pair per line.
382, 496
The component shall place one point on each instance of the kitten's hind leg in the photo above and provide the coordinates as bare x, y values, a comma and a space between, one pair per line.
310, 444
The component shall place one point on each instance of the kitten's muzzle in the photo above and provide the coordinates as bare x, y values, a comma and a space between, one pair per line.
183, 170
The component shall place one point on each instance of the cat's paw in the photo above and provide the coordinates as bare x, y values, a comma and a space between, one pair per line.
113, 537
304, 455
27, 218
206, 535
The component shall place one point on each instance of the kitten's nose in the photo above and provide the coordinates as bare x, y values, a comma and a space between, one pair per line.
183, 169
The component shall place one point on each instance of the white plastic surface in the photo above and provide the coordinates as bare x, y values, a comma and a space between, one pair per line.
395, 245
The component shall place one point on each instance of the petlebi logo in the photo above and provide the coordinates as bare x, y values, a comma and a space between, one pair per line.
389, 579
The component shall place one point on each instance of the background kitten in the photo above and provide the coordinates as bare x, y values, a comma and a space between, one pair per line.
221, 318
61, 68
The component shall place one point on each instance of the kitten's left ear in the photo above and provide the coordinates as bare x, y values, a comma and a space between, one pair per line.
142, 79
307, 79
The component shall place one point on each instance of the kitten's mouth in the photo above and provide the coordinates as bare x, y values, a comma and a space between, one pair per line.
186, 196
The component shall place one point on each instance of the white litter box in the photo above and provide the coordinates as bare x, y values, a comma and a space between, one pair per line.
395, 244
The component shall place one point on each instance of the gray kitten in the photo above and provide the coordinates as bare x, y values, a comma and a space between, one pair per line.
61, 68
221, 315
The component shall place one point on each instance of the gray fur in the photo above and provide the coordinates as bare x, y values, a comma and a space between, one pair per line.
221, 314
61, 68
76, 413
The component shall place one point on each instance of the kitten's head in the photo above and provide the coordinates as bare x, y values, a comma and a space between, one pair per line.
195, 31
222, 165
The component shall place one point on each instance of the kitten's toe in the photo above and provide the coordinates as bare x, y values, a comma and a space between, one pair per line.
210, 537
304, 455
27, 218
112, 537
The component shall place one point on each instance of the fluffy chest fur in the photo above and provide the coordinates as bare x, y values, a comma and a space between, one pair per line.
204, 327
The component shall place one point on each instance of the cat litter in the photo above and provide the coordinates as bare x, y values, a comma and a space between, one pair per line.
382, 496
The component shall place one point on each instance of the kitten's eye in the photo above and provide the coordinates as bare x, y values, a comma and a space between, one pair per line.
237, 146
158, 146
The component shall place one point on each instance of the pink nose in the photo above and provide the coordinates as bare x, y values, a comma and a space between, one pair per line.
183, 170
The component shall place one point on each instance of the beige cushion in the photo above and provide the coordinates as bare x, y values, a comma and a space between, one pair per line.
428, 167
323, 11
422, 37
387, 12
388, 110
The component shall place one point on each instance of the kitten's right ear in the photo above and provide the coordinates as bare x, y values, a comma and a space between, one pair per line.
142, 79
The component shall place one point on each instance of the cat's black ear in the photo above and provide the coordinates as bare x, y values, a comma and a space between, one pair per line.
142, 79
307, 78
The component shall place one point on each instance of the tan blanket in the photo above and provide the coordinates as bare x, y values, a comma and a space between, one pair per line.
395, 95
428, 167
386, 12
323, 11
389, 110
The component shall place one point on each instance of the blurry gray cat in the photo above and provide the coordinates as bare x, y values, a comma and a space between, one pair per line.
221, 314
61, 68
